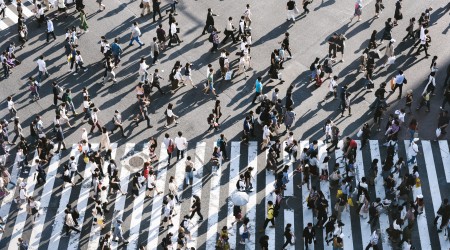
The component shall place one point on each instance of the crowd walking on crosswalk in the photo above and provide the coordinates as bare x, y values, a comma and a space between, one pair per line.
339, 191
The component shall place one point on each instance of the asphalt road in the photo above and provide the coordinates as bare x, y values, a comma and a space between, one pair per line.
308, 39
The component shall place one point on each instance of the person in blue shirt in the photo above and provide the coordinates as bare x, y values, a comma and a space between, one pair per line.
116, 51
258, 89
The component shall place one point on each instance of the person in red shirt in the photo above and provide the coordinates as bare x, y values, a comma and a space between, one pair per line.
350, 149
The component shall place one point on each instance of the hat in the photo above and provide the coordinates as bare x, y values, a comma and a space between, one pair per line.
420, 196
392, 40
416, 139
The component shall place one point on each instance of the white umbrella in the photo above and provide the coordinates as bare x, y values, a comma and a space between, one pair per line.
239, 198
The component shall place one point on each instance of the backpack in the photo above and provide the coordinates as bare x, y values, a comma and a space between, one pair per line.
275, 212
65, 97
210, 38
238, 186
221, 143
210, 29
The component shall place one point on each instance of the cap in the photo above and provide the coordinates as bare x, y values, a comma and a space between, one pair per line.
392, 40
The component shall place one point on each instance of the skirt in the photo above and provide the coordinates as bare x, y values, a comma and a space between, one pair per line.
170, 119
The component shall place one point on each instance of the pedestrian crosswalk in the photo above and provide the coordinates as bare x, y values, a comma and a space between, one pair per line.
142, 216
11, 17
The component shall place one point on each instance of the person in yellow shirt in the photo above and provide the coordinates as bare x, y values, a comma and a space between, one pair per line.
271, 214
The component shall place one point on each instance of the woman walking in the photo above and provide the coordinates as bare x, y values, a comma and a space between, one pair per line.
105, 143
358, 10
217, 111
398, 12
83, 24
378, 7
170, 116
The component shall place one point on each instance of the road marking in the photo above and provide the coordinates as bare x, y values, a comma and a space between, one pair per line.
234, 178
213, 210
365, 227
443, 146
251, 205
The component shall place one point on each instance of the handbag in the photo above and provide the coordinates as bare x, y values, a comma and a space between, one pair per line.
350, 202
86, 159
438, 132
228, 75
392, 83
391, 60
170, 148
418, 182
360, 132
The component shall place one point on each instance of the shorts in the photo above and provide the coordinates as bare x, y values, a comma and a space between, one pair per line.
211, 87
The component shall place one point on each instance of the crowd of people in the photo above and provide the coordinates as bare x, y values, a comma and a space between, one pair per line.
400, 174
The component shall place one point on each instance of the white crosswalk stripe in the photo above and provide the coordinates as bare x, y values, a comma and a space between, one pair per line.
215, 219
11, 17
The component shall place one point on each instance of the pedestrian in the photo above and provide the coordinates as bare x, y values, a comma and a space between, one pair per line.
135, 34
170, 146
22, 244
289, 235
173, 33
117, 120
358, 11
109, 71
374, 238
245, 231
155, 48
214, 39
79, 63
387, 33
270, 217
209, 22
118, 232
60, 138
93, 121
379, 6
346, 105
189, 171
69, 224
446, 97
210, 83
229, 31
83, 21
145, 5
399, 80
104, 140
101, 6
156, 9
309, 235
291, 8
42, 69
443, 121
116, 51
444, 213
398, 12
187, 74
389, 52
410, 30
425, 40
258, 88
50, 29
170, 116
196, 208
264, 242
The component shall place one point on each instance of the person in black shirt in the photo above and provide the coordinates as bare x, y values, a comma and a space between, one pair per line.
290, 10
443, 122
309, 234
332, 46
209, 20
285, 43
288, 235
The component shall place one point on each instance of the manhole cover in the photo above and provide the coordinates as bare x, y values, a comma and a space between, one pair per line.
136, 162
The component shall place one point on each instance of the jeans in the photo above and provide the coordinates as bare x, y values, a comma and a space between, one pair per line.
137, 39
156, 11
155, 56
39, 78
412, 160
188, 176
198, 213
400, 86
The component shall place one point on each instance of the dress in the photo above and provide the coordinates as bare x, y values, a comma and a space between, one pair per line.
105, 142
83, 24
398, 13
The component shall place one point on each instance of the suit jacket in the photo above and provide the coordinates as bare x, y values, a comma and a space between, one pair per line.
309, 234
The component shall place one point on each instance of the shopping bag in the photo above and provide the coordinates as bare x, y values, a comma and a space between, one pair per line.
86, 159
339, 194
350, 201
392, 83
438, 132
391, 60
228, 75
418, 183
360, 132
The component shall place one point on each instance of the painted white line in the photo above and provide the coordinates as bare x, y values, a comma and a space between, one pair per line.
179, 178
38, 226
11, 15
251, 205
434, 186
289, 213
3, 25
324, 185
7, 201
94, 235
365, 227
155, 219
213, 209
26, 12
270, 196
380, 192
421, 220
82, 201
234, 177
289, 188
22, 214
124, 175
307, 213
199, 162
445, 155
136, 215
58, 221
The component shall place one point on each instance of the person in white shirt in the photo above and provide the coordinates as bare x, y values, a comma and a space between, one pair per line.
431, 85
118, 122
50, 29
143, 67
40, 15
173, 33
12, 110
42, 69
374, 239
154, 50
248, 16
2, 8
135, 34
181, 144
413, 151
145, 6
173, 188
332, 87
229, 31
79, 63
94, 121
168, 142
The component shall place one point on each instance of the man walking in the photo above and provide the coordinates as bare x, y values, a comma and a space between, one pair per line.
42, 68
117, 119
309, 235
59, 138
229, 31
209, 21
399, 80
181, 144
116, 51
118, 232
258, 89
269, 217
50, 29
135, 34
